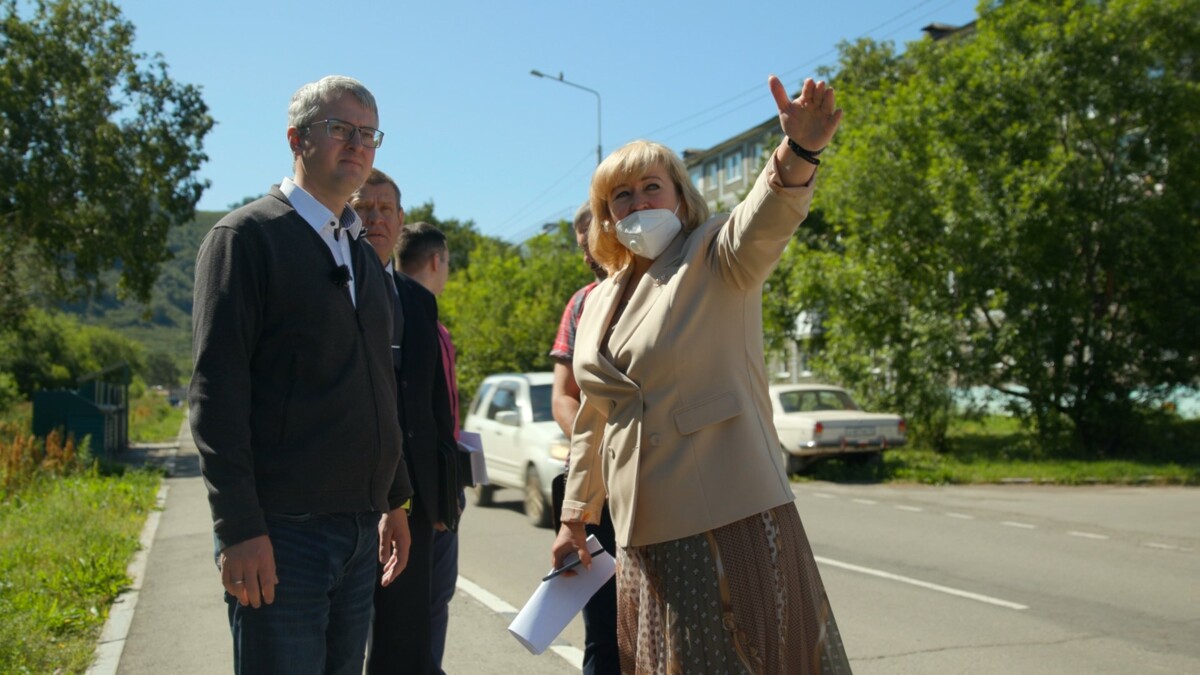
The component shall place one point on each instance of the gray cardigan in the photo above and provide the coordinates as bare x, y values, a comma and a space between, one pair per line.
293, 400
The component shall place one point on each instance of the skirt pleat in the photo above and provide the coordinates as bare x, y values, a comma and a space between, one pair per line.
743, 598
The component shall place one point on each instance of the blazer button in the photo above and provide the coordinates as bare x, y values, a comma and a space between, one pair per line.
612, 405
654, 438
410, 434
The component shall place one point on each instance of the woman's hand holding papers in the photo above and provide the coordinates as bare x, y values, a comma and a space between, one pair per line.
571, 539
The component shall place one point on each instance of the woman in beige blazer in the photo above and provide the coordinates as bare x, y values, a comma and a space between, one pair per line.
715, 573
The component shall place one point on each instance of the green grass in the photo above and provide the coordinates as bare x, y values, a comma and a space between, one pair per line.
153, 420
998, 450
66, 538
64, 545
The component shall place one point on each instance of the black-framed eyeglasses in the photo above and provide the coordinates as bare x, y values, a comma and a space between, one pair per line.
341, 130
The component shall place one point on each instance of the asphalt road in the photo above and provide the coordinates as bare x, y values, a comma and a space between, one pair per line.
1015, 579
995, 579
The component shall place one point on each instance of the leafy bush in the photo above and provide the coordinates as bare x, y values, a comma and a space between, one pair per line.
23, 457
10, 394
50, 350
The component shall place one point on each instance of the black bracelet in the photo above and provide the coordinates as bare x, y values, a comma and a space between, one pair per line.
806, 155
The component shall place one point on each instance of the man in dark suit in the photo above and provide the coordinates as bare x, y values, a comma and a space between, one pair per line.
424, 255
401, 630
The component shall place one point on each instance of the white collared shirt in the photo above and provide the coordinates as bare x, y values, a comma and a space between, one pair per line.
324, 221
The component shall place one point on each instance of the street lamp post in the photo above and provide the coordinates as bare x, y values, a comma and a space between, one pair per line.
599, 150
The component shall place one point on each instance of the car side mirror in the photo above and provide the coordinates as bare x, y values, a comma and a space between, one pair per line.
510, 418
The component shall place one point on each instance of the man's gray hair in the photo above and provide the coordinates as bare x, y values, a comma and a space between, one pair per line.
306, 102
583, 217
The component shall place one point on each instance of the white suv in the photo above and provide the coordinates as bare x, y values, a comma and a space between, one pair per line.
522, 444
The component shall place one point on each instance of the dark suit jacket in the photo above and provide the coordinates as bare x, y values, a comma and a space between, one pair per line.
422, 397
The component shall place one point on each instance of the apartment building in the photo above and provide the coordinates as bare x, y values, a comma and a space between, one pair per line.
724, 172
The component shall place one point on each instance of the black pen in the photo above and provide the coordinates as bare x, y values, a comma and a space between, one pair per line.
568, 566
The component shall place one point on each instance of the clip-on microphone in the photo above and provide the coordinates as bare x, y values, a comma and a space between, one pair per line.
340, 276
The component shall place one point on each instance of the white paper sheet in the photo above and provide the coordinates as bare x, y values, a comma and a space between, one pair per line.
473, 444
556, 602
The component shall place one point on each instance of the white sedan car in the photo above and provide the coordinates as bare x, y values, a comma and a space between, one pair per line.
820, 420
522, 444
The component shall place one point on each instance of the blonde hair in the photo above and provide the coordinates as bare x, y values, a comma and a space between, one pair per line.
628, 163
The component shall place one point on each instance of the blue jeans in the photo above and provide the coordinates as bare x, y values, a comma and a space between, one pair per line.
322, 610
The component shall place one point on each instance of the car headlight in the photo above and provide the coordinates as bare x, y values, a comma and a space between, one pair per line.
560, 450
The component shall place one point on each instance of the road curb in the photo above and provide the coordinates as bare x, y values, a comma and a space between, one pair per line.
120, 616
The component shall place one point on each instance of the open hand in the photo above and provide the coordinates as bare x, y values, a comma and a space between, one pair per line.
811, 119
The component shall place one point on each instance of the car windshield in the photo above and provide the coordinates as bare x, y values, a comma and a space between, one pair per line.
539, 394
811, 400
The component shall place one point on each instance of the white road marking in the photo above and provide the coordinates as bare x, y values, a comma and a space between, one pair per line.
960, 516
489, 600
1165, 547
868, 502
823, 495
1024, 526
922, 584
1087, 535
914, 509
573, 655
569, 653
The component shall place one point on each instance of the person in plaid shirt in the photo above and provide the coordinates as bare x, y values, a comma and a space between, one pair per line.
600, 655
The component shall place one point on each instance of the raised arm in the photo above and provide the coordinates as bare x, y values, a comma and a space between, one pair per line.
749, 244
809, 121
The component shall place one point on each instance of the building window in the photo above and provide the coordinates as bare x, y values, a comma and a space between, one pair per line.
733, 167
697, 175
710, 174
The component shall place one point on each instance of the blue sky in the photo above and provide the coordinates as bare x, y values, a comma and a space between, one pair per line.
466, 125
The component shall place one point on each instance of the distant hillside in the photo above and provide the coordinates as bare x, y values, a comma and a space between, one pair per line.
164, 325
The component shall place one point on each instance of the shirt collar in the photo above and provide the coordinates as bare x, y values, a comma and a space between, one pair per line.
314, 212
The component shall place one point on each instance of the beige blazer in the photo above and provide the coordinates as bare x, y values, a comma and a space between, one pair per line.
676, 428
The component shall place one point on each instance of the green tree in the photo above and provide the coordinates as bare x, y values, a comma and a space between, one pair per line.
461, 237
51, 350
161, 369
1018, 210
99, 150
504, 309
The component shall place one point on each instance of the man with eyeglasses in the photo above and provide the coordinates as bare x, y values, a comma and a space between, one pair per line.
408, 632
293, 400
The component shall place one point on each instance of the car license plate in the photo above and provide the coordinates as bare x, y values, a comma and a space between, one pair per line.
860, 432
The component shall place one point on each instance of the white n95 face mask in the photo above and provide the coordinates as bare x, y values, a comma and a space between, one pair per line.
648, 233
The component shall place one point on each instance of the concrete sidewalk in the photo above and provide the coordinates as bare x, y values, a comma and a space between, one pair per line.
179, 620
